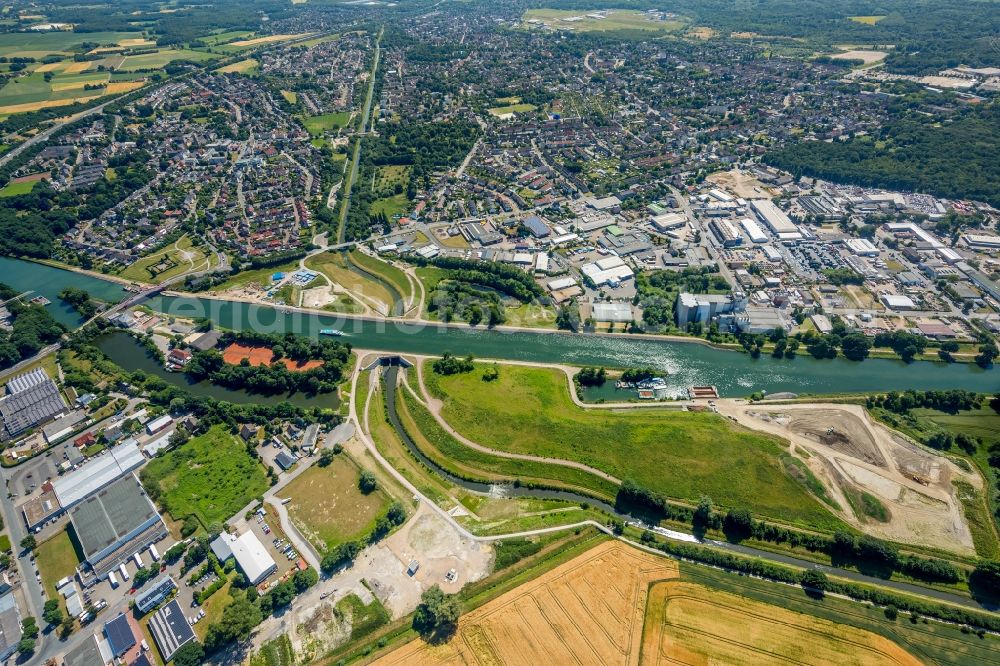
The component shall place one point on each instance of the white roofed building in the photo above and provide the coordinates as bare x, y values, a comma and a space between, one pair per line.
250, 554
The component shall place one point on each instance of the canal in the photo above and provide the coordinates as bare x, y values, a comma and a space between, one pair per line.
127, 352
734, 373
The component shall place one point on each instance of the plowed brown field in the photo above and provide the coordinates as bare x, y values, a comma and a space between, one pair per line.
586, 611
688, 623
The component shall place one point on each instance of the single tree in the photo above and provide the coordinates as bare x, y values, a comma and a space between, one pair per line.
437, 615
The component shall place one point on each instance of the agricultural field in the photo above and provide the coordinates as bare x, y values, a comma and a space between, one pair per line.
176, 259
41, 44
599, 20
34, 91
248, 66
866, 20
225, 37
70, 81
161, 59
317, 125
211, 477
241, 44
328, 508
681, 455
690, 623
787, 609
586, 611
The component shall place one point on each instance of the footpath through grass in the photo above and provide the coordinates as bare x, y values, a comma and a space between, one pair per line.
681, 455
211, 477
464, 462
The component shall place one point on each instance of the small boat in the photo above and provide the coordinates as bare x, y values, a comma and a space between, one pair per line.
331, 331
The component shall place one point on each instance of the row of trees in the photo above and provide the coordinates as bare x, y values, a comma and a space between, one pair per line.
951, 401
865, 553
986, 575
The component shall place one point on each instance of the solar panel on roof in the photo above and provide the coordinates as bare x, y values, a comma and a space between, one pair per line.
120, 636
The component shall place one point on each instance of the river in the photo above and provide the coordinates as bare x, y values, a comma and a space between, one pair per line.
47, 281
734, 373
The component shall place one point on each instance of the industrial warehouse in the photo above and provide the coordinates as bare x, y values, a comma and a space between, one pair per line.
115, 522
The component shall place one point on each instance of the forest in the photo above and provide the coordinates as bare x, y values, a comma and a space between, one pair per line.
948, 158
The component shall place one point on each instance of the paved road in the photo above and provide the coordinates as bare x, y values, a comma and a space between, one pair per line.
45, 134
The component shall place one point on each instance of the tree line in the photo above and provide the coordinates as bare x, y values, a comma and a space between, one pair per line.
276, 377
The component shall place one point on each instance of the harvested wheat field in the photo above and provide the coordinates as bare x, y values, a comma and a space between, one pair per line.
123, 87
46, 104
688, 623
77, 67
586, 611
268, 39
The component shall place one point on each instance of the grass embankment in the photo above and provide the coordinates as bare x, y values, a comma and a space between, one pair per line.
211, 477
327, 506
680, 455
489, 515
465, 462
334, 265
385, 271
929, 641
175, 259
983, 424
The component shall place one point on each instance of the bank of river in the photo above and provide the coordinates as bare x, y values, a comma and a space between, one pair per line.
48, 281
127, 352
734, 373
